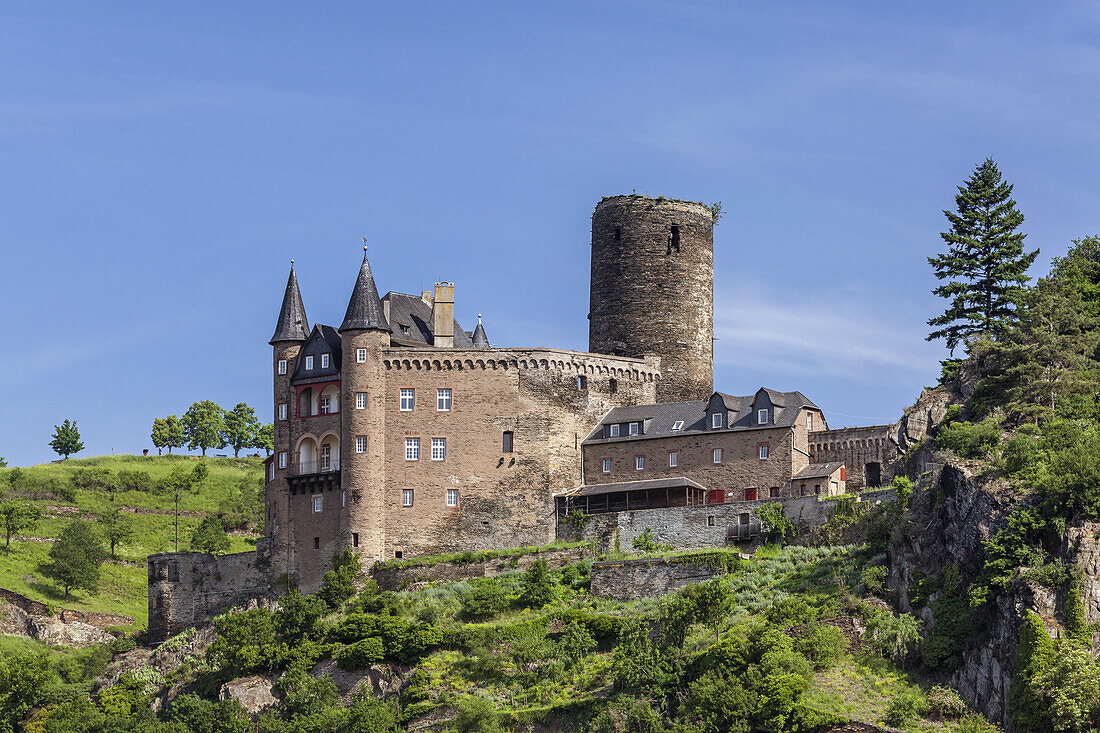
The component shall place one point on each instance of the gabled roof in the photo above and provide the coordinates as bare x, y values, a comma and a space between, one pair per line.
292, 324
660, 418
481, 341
676, 482
329, 340
411, 322
818, 470
364, 308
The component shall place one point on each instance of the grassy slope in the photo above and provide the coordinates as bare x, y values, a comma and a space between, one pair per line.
123, 586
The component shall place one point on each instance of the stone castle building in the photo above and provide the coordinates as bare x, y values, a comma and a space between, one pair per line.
398, 433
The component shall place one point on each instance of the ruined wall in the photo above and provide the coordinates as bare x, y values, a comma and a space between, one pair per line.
856, 448
631, 580
652, 291
187, 588
504, 499
399, 578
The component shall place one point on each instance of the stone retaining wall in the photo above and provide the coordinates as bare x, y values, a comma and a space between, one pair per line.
67, 615
631, 580
396, 579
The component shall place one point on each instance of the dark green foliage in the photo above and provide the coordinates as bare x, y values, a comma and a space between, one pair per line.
605, 628
338, 584
134, 481
575, 643
210, 536
1018, 544
906, 707
116, 528
873, 579
16, 516
265, 438
485, 599
628, 714
246, 643
76, 558
791, 611
204, 426
199, 474
203, 716
1076, 626
302, 694
969, 440
1034, 654
477, 715
66, 439
823, 645
243, 509
985, 265
402, 641
641, 664
23, 678
299, 618
646, 542
94, 478
954, 621
239, 428
774, 522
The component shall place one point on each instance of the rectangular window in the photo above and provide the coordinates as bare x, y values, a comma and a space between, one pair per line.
763, 452
326, 457
773, 493
412, 449
326, 405
361, 355
408, 397
406, 497
673, 459
360, 400
360, 444
615, 430
809, 421
582, 382
802, 490
439, 449
710, 521
324, 361
282, 411
443, 400
633, 428
678, 425
817, 488
750, 494
309, 363
316, 543
343, 499
317, 504
507, 441
717, 455
639, 463
271, 472
354, 539
716, 420
762, 416
452, 497
282, 366
282, 459
607, 465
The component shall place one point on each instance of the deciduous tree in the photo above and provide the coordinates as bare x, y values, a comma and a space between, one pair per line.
176, 436
16, 516
116, 527
240, 428
204, 425
159, 435
265, 438
76, 558
66, 439
210, 536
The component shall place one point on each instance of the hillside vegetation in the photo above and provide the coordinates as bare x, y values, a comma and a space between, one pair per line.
144, 489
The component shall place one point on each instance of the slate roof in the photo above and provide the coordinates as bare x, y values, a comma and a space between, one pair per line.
364, 308
818, 470
292, 324
660, 418
675, 482
481, 341
413, 313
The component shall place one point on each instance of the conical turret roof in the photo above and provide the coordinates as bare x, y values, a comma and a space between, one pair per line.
292, 324
481, 341
364, 308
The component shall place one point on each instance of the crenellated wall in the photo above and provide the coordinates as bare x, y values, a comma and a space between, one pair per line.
860, 449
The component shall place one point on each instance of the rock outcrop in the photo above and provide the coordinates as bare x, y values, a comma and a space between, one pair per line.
49, 629
253, 693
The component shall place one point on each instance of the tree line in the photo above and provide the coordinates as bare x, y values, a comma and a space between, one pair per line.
208, 425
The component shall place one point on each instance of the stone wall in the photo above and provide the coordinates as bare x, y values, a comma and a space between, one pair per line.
653, 294
188, 588
860, 449
631, 580
398, 578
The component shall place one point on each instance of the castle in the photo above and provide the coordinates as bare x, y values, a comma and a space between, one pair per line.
400, 434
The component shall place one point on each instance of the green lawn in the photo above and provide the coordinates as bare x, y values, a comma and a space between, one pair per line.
123, 587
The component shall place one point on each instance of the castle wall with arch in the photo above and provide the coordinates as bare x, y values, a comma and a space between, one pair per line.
869, 453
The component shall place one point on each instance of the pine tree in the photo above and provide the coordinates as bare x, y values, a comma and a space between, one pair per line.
985, 265
66, 439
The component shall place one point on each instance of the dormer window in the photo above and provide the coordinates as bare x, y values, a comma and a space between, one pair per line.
613, 431
762, 416
678, 425
404, 328
309, 363
633, 428
716, 420
324, 361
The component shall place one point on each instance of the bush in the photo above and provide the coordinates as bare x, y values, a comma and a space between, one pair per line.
575, 643
246, 643
538, 585
299, 618
774, 521
338, 584
477, 715
94, 478
975, 723
134, 481
969, 440
486, 598
362, 653
646, 543
945, 702
301, 694
873, 578
823, 645
906, 707
203, 716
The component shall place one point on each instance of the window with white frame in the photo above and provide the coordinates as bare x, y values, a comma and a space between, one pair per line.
762, 416
809, 421
326, 457
408, 397
443, 400
615, 430
317, 503
763, 452
607, 465
406, 497
633, 429
717, 455
309, 363
439, 449
282, 459
282, 366
452, 497
326, 404
360, 444
282, 411
361, 355
678, 425
360, 400
716, 420
673, 459
324, 361
639, 463
412, 449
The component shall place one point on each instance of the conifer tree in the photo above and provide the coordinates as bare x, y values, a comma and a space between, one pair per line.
985, 265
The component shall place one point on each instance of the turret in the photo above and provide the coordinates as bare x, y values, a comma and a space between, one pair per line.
481, 341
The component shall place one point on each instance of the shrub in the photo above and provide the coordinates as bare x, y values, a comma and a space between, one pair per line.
210, 536
338, 584
823, 645
362, 653
873, 578
203, 716
477, 715
646, 542
299, 618
975, 723
538, 585
134, 481
575, 643
246, 643
903, 489
301, 694
969, 440
945, 702
774, 521
94, 478
905, 707
954, 620
486, 598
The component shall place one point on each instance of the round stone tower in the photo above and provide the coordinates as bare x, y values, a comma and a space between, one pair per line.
653, 289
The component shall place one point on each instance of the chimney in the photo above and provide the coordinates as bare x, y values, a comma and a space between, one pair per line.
426, 296
443, 315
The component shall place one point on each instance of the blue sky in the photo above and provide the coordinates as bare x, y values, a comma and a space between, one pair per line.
162, 164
